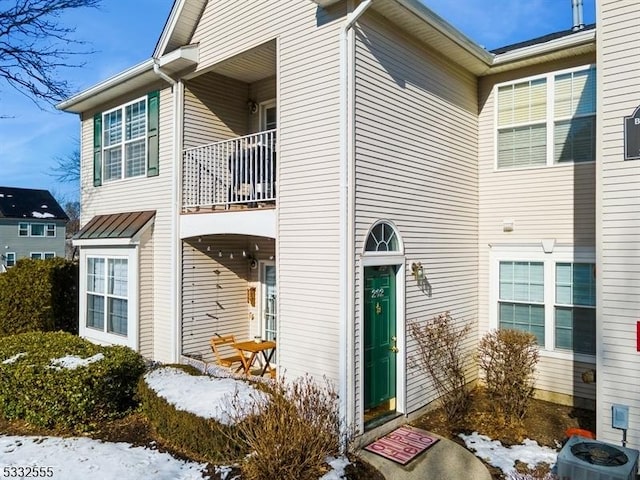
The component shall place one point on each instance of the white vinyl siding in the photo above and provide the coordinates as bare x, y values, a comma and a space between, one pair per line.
618, 198
416, 166
547, 120
554, 204
157, 324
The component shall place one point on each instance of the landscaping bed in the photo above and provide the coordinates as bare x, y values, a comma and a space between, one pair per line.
545, 422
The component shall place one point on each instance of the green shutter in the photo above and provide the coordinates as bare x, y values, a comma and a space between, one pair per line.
153, 111
97, 149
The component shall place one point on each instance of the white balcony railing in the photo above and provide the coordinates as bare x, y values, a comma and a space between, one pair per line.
240, 171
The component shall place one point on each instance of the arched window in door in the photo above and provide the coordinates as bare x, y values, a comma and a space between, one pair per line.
383, 238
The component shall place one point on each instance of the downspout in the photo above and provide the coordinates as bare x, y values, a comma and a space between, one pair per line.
347, 257
176, 89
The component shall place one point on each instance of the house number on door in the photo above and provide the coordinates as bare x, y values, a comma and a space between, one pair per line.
377, 293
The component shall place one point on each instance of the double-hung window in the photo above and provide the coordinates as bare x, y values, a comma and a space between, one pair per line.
547, 120
10, 259
108, 298
125, 141
575, 307
521, 298
23, 229
125, 138
107, 294
51, 230
551, 295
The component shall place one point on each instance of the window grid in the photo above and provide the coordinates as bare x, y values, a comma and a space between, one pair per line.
23, 229
521, 298
125, 141
382, 238
574, 309
547, 120
51, 229
107, 294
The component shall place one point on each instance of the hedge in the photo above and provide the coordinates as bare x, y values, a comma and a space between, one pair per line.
36, 387
39, 295
200, 438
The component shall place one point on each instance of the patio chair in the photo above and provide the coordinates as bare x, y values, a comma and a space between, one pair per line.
221, 345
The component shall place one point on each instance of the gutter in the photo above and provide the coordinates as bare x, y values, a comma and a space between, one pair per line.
177, 89
347, 199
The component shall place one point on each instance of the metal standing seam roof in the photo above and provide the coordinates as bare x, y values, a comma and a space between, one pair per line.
115, 225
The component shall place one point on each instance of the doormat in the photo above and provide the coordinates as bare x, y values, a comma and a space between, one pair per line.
402, 445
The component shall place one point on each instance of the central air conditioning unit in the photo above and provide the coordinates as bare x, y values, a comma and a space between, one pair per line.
586, 459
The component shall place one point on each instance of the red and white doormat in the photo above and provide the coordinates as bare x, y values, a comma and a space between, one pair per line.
402, 445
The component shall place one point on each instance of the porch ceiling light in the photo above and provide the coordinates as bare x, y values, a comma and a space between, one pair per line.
252, 106
418, 271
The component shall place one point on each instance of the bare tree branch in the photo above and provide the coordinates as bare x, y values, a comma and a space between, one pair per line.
67, 168
34, 46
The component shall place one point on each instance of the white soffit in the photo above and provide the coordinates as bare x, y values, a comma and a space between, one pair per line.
182, 22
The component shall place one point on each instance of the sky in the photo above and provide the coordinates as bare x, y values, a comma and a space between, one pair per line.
228, 399
123, 33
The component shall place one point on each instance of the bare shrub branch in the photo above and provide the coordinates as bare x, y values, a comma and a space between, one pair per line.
291, 436
508, 359
440, 356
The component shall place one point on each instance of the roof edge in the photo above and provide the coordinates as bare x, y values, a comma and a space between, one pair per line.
448, 30
122, 77
577, 39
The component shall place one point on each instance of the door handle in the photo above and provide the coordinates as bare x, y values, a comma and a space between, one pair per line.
393, 348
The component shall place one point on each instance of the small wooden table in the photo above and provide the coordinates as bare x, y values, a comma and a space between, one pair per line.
267, 347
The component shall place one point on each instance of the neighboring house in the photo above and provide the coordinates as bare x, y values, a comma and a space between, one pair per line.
32, 225
416, 173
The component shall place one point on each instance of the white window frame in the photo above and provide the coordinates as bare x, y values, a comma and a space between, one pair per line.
535, 253
104, 148
7, 259
36, 255
103, 337
262, 108
549, 122
48, 255
50, 228
25, 229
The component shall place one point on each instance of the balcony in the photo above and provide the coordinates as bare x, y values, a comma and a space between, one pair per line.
239, 173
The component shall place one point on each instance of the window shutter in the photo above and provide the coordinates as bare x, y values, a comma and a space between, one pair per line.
153, 113
97, 149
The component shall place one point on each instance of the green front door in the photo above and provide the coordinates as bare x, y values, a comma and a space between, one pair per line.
380, 339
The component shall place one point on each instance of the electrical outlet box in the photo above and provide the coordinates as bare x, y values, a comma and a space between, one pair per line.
620, 417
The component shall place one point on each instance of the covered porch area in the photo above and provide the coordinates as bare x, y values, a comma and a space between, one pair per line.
228, 288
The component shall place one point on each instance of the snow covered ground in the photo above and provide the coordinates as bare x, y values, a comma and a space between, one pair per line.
82, 458
494, 453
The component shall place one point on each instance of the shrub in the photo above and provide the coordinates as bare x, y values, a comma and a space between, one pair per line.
35, 386
440, 355
39, 295
200, 438
291, 437
508, 359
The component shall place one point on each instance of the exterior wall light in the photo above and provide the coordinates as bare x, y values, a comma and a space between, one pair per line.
418, 271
